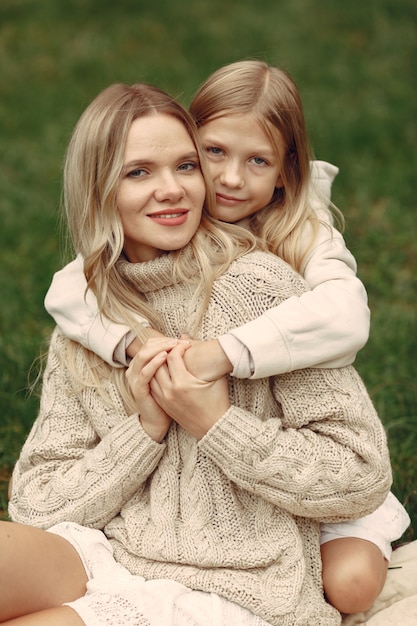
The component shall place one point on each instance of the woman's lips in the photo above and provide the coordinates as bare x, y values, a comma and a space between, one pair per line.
170, 217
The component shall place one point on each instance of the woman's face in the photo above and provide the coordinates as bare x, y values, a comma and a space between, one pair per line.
162, 191
243, 164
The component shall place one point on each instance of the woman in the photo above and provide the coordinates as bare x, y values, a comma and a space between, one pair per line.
251, 125
165, 512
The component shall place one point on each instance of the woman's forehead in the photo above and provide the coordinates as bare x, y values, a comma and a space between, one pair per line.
151, 134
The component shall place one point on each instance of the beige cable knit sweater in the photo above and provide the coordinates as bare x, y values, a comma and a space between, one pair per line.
236, 513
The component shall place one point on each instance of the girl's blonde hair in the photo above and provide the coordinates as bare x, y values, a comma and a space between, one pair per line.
92, 173
289, 223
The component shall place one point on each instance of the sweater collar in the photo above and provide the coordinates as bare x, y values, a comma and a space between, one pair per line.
151, 275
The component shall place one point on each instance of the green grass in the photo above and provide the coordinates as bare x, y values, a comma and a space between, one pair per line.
354, 64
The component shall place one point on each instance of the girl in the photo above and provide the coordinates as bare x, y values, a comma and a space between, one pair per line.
252, 128
160, 510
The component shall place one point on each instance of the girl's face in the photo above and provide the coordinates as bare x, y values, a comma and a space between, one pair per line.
243, 163
162, 189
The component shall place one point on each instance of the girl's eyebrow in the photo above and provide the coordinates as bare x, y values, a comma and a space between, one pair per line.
211, 139
216, 141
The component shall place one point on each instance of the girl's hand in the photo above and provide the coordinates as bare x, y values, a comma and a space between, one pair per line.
155, 421
196, 405
134, 347
207, 361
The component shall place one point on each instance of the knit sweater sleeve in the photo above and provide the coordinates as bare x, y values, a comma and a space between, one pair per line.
81, 461
309, 441
326, 458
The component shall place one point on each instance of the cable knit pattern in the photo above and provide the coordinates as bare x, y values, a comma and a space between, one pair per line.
236, 513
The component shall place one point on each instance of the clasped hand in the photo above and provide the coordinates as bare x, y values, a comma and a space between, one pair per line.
165, 390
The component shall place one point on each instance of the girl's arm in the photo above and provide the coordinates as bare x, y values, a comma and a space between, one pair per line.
82, 461
75, 311
322, 177
325, 327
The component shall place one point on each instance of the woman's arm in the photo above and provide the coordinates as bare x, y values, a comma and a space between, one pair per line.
315, 445
327, 457
321, 452
82, 460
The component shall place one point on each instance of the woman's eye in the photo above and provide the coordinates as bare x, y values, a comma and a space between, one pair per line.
188, 167
136, 173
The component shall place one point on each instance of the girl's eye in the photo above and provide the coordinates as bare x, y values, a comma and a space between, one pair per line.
259, 161
214, 150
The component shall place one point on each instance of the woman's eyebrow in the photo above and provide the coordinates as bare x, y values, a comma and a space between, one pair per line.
143, 162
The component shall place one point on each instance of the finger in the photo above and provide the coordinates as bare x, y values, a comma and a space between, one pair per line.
161, 379
175, 363
160, 390
151, 368
172, 374
149, 350
143, 376
155, 344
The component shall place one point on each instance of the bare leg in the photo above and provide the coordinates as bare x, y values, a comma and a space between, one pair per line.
38, 570
354, 572
62, 616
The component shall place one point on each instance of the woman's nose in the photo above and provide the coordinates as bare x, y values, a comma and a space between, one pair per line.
168, 188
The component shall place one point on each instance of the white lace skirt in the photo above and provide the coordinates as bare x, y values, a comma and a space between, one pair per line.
117, 598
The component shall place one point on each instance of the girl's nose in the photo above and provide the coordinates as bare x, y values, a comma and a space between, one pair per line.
168, 188
232, 175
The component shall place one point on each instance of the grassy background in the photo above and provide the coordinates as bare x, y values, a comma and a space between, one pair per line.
354, 64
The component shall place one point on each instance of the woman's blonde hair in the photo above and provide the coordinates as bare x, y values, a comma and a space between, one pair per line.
271, 96
92, 173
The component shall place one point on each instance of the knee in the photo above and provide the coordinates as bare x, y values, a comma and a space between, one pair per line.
353, 583
351, 591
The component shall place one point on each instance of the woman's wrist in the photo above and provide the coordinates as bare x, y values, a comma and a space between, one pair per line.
155, 432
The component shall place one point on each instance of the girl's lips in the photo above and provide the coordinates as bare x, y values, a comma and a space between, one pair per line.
227, 200
170, 217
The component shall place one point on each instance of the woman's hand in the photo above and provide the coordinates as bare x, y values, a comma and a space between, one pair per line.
196, 405
206, 360
150, 357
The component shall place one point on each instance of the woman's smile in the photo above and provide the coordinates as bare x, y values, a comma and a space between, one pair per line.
162, 191
170, 217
